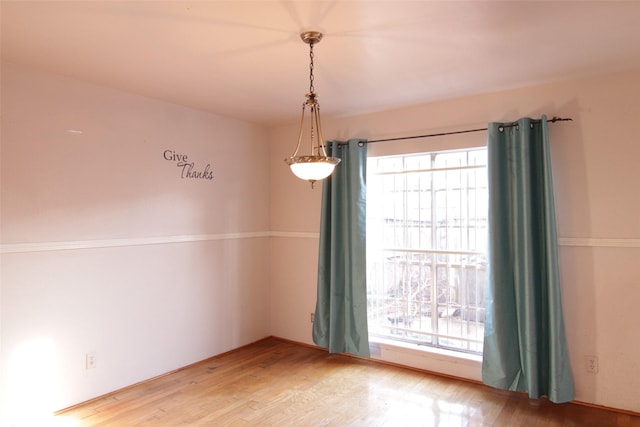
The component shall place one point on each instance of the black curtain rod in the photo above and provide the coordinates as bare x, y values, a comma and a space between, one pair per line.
553, 120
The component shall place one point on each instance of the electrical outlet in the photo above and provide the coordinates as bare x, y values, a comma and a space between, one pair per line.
312, 317
90, 360
591, 364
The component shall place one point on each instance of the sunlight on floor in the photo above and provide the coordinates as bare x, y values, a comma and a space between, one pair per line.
32, 386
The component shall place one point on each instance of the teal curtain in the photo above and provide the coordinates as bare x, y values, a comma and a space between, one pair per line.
340, 322
524, 341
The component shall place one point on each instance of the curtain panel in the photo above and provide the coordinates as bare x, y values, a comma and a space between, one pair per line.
524, 345
341, 307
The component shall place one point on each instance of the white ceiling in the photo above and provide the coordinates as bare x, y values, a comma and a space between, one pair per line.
244, 59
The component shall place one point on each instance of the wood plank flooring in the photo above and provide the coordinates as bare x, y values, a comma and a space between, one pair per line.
278, 383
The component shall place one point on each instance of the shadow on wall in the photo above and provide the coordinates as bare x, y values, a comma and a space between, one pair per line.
577, 273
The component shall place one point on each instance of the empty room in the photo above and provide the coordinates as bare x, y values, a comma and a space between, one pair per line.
187, 238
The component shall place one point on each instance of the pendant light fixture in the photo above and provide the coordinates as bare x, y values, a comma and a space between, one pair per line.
315, 166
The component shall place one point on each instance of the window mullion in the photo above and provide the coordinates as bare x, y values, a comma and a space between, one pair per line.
434, 245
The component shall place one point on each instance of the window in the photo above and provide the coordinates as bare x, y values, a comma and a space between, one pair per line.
426, 248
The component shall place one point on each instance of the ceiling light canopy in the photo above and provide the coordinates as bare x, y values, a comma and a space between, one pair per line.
317, 165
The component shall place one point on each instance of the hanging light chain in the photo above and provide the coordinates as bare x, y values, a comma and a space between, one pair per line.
311, 88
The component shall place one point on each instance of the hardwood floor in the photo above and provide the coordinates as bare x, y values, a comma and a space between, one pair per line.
278, 383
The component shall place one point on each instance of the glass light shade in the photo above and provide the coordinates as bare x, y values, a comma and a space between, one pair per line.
312, 168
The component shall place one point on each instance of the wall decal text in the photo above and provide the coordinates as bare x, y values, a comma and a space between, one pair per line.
188, 168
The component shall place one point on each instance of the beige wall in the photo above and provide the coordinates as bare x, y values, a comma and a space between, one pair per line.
107, 249
598, 208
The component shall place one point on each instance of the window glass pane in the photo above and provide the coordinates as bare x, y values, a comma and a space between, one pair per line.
426, 243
